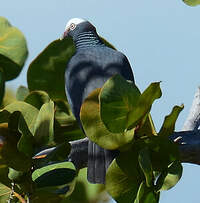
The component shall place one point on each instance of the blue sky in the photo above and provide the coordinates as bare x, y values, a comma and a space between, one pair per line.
160, 38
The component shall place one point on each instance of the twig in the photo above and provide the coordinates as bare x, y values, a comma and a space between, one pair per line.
193, 120
19, 197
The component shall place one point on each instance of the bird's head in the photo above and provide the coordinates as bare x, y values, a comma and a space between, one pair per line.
75, 26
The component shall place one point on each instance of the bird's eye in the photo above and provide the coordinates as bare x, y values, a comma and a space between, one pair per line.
72, 26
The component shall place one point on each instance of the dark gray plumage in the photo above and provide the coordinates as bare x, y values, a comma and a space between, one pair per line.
90, 67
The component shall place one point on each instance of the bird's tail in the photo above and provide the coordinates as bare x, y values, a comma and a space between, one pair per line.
99, 160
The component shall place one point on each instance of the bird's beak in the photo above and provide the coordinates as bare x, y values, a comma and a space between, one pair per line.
65, 34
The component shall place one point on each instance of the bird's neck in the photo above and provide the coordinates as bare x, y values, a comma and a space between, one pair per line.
87, 39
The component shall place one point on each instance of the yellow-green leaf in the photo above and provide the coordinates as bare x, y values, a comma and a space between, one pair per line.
28, 111
13, 49
119, 185
117, 98
192, 2
96, 130
44, 125
170, 177
169, 123
144, 104
146, 195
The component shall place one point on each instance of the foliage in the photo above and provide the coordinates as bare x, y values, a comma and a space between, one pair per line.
147, 159
192, 2
116, 116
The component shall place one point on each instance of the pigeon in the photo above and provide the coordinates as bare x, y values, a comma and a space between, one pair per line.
89, 68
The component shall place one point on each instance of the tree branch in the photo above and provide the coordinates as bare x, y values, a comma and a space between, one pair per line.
188, 142
193, 120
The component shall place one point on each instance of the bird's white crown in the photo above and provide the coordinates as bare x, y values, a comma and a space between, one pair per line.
75, 21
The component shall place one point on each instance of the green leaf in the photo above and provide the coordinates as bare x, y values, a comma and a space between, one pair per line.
124, 176
170, 177
146, 127
128, 162
47, 71
192, 2
84, 191
66, 127
26, 142
9, 97
4, 193
28, 111
15, 176
119, 185
9, 154
162, 152
54, 175
144, 104
37, 98
17, 124
22, 92
146, 195
96, 130
63, 113
2, 84
145, 164
13, 49
117, 98
44, 134
4, 175
169, 123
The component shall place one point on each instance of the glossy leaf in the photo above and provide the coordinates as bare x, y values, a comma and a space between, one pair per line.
43, 133
26, 143
145, 164
21, 93
124, 176
146, 195
28, 111
170, 177
119, 185
47, 71
37, 98
144, 104
117, 98
96, 130
169, 123
13, 49
192, 2
54, 175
